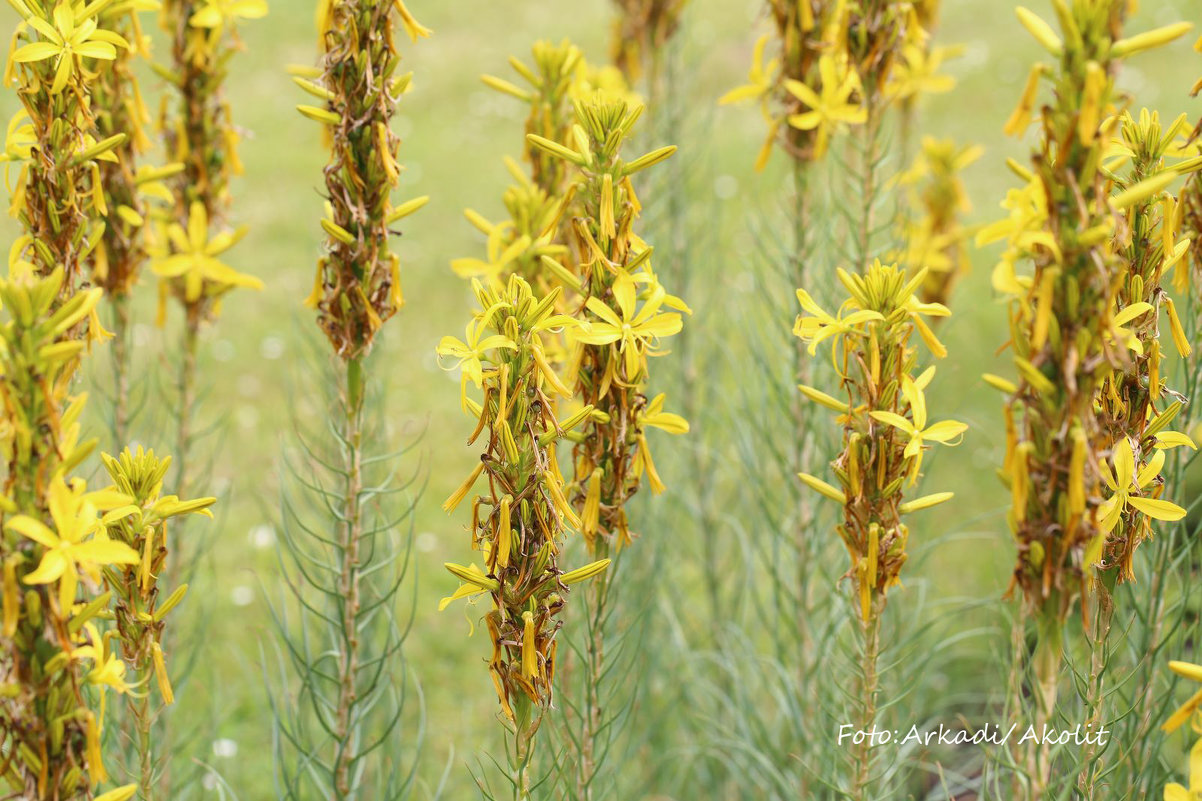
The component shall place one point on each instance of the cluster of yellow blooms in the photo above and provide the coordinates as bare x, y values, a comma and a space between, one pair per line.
533, 243
200, 134
519, 523
600, 315
358, 284
536, 202
836, 63
61, 538
641, 31
627, 313
884, 418
936, 239
55, 539
1086, 421
121, 111
63, 545
53, 46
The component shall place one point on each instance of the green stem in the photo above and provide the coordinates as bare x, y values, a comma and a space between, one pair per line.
121, 333
523, 748
870, 644
1014, 688
186, 394
349, 580
869, 154
598, 591
801, 417
1099, 630
1049, 657
139, 708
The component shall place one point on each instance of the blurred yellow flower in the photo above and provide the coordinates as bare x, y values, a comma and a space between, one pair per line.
831, 106
195, 257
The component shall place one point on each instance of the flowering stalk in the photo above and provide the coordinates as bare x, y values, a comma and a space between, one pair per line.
59, 196
54, 545
937, 240
624, 318
120, 255
198, 129
641, 34
53, 532
141, 604
1066, 326
1136, 405
553, 81
885, 435
356, 289
519, 524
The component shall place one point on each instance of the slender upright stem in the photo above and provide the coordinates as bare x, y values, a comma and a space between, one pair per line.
1049, 658
186, 395
140, 708
870, 643
523, 747
349, 579
801, 370
121, 332
1096, 696
1014, 687
598, 591
869, 155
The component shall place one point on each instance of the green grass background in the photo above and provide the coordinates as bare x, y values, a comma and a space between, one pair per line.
455, 132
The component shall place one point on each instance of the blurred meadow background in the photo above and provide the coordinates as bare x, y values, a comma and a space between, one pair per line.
703, 647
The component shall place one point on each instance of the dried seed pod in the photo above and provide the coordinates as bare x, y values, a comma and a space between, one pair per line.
358, 282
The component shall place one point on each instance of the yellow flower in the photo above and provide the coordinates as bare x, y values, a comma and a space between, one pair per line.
1190, 671
68, 40
919, 73
1176, 792
79, 540
820, 325
19, 138
195, 257
467, 589
412, 27
123, 793
759, 78
471, 352
634, 331
107, 670
831, 106
918, 431
1126, 484
655, 416
220, 13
